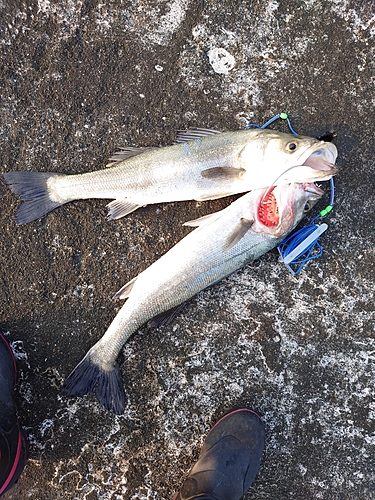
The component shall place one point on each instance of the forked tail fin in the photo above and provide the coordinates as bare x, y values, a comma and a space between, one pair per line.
32, 186
108, 386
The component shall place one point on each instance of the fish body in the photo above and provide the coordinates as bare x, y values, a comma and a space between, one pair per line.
222, 243
203, 165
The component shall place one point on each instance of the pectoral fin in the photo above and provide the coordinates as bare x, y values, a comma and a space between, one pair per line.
223, 173
238, 233
120, 208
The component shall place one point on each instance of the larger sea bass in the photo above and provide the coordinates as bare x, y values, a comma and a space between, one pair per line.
223, 242
203, 165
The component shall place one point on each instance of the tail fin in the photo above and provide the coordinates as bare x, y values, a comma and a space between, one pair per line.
108, 386
32, 186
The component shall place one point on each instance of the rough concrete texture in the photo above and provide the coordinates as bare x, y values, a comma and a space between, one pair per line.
80, 78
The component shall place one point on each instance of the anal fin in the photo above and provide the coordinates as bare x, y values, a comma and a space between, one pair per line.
120, 208
166, 317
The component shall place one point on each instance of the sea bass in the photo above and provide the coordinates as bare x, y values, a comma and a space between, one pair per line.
202, 165
222, 243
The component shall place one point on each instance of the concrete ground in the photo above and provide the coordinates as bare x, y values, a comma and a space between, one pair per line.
78, 80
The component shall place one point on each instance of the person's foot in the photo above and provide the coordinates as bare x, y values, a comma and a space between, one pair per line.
229, 460
13, 446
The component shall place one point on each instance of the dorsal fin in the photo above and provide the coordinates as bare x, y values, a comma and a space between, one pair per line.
125, 153
181, 136
205, 220
124, 291
194, 133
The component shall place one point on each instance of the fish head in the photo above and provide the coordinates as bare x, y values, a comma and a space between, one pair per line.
295, 158
315, 159
280, 208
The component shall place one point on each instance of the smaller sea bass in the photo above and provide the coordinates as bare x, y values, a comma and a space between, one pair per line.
223, 242
203, 165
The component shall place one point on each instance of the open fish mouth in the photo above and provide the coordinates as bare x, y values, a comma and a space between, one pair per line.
312, 188
268, 208
321, 156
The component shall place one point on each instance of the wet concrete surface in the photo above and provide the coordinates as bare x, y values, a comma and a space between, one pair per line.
78, 80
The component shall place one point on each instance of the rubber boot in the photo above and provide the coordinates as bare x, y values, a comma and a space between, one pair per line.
13, 445
229, 460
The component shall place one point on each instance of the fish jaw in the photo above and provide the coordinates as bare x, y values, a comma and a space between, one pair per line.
316, 163
296, 205
321, 159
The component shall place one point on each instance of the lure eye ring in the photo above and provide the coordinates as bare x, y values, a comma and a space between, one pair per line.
291, 147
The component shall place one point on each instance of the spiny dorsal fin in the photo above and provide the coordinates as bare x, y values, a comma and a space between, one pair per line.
194, 133
238, 233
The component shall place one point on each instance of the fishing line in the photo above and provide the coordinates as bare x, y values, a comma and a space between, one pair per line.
283, 116
303, 245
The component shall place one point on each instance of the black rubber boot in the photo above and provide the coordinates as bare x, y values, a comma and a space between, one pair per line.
13, 445
229, 460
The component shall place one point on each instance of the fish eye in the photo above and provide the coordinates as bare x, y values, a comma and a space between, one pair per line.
291, 146
307, 207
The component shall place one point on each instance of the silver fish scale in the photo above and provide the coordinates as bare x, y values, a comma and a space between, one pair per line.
204, 168
222, 243
172, 280
177, 168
